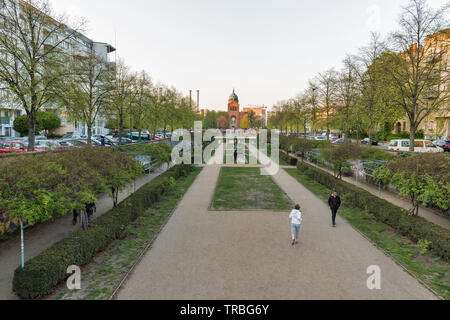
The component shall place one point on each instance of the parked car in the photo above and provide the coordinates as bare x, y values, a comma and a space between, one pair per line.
77, 143
446, 147
71, 136
65, 143
49, 145
366, 141
125, 141
108, 141
419, 146
16, 147
341, 140
444, 144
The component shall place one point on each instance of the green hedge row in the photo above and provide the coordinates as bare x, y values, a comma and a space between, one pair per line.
290, 160
414, 227
43, 273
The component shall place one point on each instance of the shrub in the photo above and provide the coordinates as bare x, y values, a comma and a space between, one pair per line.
292, 161
420, 177
43, 272
414, 227
40, 187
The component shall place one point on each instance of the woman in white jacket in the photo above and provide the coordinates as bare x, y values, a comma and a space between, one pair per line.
296, 222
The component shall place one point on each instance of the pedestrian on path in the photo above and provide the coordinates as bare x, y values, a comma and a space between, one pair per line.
335, 204
296, 223
90, 209
75, 217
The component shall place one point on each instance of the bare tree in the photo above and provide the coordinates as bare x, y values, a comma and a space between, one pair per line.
347, 92
122, 95
420, 72
327, 94
141, 103
370, 79
87, 90
312, 97
32, 50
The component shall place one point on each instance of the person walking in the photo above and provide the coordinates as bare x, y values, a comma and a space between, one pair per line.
90, 209
335, 203
102, 141
75, 217
296, 223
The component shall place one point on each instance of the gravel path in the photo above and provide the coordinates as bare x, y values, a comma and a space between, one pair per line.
202, 254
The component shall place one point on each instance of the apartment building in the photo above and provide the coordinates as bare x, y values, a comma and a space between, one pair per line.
436, 125
260, 112
10, 108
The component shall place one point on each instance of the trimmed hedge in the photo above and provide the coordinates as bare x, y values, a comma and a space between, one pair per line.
43, 273
414, 227
292, 161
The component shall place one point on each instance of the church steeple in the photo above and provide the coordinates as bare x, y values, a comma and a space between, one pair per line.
234, 96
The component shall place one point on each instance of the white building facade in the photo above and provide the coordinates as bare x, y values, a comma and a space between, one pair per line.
10, 109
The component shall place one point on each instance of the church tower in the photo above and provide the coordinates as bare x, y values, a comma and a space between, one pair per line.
233, 111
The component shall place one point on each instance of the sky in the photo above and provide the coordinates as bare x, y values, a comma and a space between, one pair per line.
266, 50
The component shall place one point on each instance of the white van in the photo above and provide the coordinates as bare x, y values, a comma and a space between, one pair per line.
419, 146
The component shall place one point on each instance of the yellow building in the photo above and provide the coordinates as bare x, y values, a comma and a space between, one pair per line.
437, 125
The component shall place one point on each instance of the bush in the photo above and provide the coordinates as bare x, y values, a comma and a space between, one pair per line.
414, 227
161, 152
40, 187
43, 272
422, 177
292, 161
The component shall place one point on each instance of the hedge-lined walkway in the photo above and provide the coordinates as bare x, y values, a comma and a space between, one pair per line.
203, 254
43, 236
426, 213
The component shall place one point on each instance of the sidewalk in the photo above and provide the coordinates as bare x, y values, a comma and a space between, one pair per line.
43, 236
426, 213
247, 255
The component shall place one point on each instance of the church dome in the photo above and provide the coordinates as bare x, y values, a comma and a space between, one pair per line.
234, 97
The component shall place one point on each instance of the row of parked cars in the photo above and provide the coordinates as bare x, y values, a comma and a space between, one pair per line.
332, 138
42, 144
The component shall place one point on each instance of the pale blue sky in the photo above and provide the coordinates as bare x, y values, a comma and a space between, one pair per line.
265, 49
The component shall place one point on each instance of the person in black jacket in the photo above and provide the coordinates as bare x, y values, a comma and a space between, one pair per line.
335, 204
90, 209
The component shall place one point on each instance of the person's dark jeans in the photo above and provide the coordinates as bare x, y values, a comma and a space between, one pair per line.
90, 216
334, 214
75, 217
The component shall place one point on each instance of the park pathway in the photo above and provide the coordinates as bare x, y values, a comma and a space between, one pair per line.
202, 254
43, 236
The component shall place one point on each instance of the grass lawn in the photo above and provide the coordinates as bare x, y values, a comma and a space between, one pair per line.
430, 269
101, 277
247, 189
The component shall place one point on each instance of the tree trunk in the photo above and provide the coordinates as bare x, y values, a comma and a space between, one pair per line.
31, 130
120, 130
412, 136
89, 135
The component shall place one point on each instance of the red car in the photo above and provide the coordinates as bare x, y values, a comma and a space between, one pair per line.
15, 147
